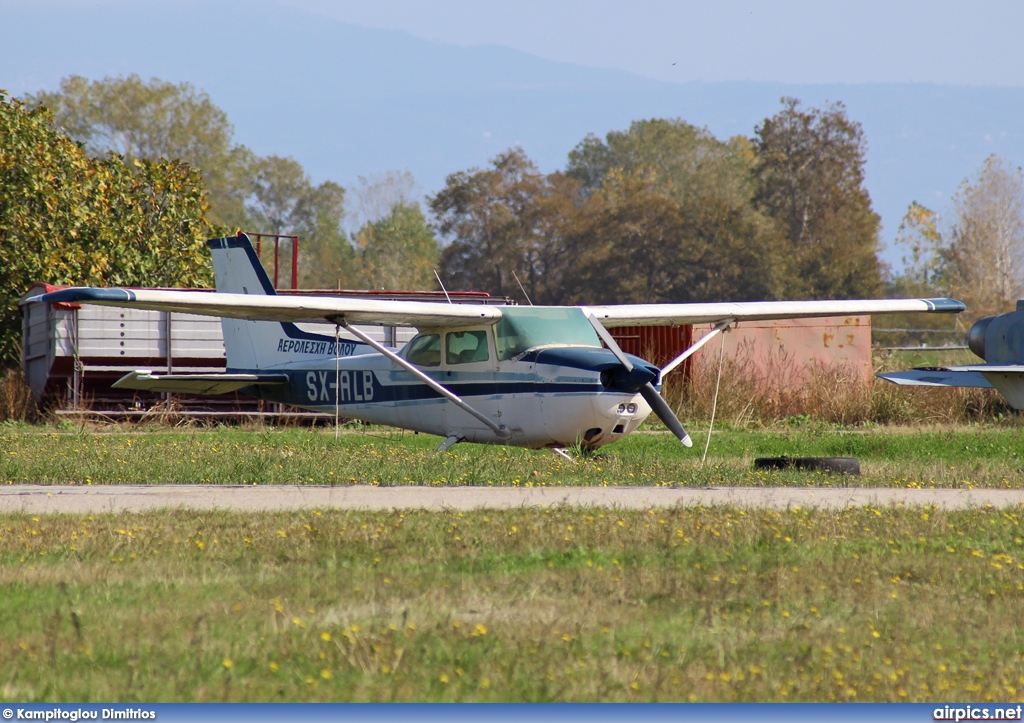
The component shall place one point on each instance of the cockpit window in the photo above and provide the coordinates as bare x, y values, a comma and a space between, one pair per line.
425, 351
525, 327
463, 347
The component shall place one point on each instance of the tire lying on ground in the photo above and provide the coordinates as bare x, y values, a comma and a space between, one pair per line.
833, 465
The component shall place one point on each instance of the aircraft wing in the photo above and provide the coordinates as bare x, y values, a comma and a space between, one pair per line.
147, 381
257, 307
968, 375
420, 314
679, 314
939, 377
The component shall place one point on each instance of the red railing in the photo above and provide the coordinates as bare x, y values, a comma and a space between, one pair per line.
277, 255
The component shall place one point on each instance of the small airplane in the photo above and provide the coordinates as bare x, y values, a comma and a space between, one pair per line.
526, 376
999, 341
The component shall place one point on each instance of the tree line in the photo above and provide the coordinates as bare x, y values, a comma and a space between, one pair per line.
664, 211
975, 252
118, 181
135, 119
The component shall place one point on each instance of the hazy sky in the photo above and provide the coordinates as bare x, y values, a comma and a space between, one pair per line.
360, 91
796, 41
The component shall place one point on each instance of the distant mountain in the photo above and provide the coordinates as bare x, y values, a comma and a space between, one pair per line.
348, 101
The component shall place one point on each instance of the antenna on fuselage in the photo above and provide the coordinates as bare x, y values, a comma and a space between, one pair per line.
442, 286
521, 287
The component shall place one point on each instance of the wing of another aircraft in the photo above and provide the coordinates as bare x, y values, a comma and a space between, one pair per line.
940, 377
1007, 379
679, 314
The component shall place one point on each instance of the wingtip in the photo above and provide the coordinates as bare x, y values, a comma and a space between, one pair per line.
946, 306
86, 294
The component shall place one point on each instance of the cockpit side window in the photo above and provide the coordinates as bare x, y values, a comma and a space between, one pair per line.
425, 350
464, 347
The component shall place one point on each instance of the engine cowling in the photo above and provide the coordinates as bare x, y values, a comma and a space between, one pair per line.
999, 339
976, 336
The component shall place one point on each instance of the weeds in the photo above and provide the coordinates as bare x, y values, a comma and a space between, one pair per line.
762, 391
16, 401
706, 604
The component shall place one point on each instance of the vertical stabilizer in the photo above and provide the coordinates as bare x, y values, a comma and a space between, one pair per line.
237, 270
255, 345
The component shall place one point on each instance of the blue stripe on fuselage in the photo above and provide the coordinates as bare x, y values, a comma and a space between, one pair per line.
309, 387
361, 386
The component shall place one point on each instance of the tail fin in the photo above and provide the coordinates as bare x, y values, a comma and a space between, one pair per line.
255, 345
237, 268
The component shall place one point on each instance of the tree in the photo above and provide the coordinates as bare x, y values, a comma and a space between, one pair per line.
685, 160
983, 263
154, 120
923, 245
919, 235
285, 201
721, 246
631, 244
809, 171
398, 251
67, 218
503, 222
377, 195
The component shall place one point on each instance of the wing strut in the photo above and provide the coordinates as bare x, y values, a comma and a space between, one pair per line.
719, 328
500, 430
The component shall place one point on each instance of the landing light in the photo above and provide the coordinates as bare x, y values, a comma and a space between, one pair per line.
622, 408
631, 408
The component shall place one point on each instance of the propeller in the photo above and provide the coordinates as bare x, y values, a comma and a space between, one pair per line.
657, 403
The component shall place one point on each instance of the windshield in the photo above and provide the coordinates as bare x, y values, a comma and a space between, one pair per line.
526, 327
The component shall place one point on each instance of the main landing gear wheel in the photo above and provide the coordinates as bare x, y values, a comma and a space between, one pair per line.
832, 465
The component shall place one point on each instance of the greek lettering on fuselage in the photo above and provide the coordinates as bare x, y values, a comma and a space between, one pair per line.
309, 346
352, 386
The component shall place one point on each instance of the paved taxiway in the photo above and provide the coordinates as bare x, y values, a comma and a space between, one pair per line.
138, 498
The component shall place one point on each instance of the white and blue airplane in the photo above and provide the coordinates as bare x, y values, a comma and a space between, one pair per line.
528, 376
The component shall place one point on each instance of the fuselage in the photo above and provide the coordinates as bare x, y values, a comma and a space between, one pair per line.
549, 396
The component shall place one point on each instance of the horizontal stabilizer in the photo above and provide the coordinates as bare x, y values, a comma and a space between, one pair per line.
937, 378
147, 381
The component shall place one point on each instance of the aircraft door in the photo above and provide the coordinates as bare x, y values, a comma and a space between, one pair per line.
417, 406
468, 370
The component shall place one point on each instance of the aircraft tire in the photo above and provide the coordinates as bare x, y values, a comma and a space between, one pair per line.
833, 465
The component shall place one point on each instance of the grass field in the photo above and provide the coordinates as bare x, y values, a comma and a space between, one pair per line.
708, 604
989, 455
523, 605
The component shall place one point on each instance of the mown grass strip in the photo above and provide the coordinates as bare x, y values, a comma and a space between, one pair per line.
710, 604
967, 456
